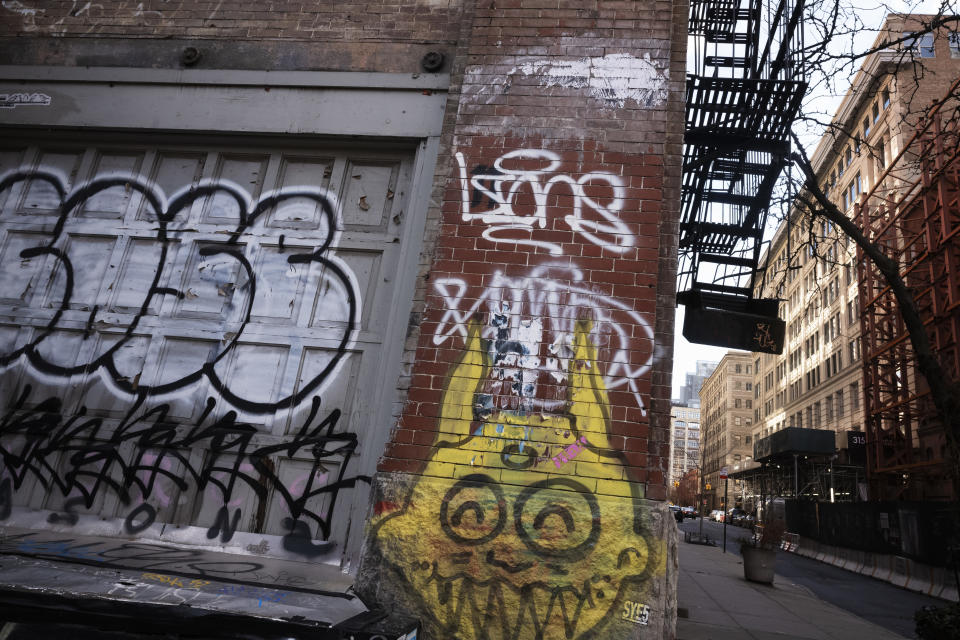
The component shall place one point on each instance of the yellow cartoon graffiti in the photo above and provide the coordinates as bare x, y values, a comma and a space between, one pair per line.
523, 526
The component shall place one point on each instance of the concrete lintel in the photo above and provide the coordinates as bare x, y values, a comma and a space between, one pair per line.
228, 77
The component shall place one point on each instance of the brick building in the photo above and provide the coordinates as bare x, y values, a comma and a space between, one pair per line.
341, 298
726, 424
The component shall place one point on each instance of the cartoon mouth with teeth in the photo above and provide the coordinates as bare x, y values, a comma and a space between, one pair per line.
523, 526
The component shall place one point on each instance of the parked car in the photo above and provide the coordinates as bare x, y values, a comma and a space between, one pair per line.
735, 515
689, 512
716, 515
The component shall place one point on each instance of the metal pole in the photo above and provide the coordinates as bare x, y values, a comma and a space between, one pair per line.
700, 506
831, 481
726, 483
796, 478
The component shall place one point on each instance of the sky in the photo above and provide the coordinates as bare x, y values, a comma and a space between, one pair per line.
685, 354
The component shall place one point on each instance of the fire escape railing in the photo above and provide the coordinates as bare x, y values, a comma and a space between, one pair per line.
741, 103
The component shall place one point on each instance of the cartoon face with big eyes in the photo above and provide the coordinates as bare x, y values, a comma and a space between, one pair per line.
523, 526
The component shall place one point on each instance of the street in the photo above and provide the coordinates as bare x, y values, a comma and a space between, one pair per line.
879, 602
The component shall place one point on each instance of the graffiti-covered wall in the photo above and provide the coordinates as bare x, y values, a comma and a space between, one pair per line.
412, 294
189, 335
521, 495
206, 269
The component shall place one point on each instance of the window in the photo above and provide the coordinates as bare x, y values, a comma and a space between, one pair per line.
737, 403
839, 396
876, 112
953, 38
848, 156
854, 350
749, 386
855, 395
829, 407
737, 368
853, 190
816, 414
866, 127
922, 44
747, 440
748, 369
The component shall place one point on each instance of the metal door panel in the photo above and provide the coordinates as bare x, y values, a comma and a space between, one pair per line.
204, 328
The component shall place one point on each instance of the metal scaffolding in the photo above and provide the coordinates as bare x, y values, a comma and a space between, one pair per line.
918, 223
816, 478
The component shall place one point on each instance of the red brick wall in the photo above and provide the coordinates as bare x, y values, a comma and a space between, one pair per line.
539, 351
526, 90
381, 35
377, 20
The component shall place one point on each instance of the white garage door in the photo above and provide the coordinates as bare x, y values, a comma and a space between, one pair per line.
191, 333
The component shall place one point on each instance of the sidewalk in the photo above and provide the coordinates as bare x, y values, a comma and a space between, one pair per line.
721, 605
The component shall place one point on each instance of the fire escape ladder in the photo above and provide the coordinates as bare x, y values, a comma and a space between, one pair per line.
741, 104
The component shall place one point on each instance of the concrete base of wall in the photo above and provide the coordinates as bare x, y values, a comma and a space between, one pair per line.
540, 561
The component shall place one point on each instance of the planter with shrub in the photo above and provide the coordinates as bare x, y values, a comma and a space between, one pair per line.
759, 552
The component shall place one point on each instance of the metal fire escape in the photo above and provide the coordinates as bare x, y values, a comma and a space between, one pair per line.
741, 103
918, 221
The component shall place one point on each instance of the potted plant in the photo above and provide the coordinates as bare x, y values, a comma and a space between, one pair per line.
759, 551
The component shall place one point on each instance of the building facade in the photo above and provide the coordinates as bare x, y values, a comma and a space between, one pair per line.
370, 290
684, 441
690, 392
817, 382
726, 423
811, 266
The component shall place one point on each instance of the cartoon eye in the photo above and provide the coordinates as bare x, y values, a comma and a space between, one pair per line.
473, 511
557, 517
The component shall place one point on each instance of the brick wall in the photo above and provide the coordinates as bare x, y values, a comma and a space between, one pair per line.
383, 35
525, 112
521, 492
539, 355
378, 20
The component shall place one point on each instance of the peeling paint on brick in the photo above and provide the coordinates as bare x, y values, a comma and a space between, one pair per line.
615, 78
